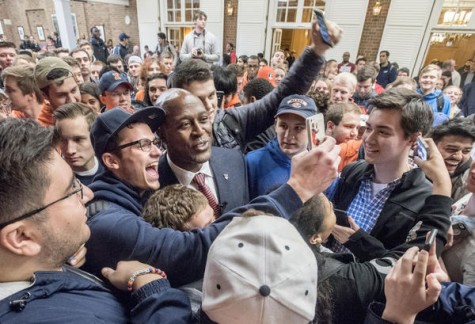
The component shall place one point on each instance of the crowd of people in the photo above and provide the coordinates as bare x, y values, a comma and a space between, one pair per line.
179, 186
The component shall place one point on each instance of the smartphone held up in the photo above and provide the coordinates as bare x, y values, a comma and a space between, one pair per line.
322, 26
315, 130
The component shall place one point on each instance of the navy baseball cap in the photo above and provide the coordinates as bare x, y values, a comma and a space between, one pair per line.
109, 81
123, 36
298, 105
109, 123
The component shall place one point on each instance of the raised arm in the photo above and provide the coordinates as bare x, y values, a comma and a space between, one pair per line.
256, 117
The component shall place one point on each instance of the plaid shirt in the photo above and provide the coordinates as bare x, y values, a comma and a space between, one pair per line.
365, 209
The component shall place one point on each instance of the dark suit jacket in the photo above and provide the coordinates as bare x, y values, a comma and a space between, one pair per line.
230, 177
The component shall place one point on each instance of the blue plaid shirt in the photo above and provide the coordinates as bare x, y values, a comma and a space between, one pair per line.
365, 209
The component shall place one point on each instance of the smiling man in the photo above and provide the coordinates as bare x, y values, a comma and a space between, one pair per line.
235, 127
127, 147
187, 132
382, 193
343, 87
454, 139
434, 97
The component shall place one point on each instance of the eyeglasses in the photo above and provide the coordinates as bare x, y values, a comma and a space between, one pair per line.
77, 190
145, 144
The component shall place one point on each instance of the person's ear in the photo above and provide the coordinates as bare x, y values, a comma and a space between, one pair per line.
111, 161
253, 99
20, 239
45, 96
330, 127
315, 239
103, 99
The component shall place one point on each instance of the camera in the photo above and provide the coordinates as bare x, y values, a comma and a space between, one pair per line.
199, 51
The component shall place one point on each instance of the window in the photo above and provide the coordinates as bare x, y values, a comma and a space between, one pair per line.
75, 24
174, 36
182, 11
288, 10
456, 12
307, 11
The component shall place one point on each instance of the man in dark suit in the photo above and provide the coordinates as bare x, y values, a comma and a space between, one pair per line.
191, 161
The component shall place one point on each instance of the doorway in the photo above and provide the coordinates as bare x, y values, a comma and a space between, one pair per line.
450, 45
291, 39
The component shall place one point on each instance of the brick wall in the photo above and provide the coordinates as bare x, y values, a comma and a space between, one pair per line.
26, 12
373, 30
230, 24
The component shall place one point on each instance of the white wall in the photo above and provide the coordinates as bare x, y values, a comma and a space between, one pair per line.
350, 16
251, 27
148, 21
403, 35
215, 11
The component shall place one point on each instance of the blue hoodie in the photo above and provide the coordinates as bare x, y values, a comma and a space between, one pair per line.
118, 232
267, 169
431, 100
72, 296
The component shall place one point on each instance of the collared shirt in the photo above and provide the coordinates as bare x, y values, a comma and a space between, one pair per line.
366, 207
186, 177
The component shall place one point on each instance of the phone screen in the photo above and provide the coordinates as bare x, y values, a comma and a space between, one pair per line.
341, 217
323, 27
422, 148
315, 130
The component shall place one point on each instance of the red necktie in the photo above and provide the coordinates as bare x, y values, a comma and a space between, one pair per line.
199, 179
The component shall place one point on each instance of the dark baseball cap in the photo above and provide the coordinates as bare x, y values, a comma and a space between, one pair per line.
298, 105
111, 122
123, 36
109, 81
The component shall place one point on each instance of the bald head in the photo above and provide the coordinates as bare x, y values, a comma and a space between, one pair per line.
186, 130
175, 98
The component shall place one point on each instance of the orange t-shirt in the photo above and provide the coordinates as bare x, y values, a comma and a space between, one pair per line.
349, 152
234, 101
45, 118
140, 95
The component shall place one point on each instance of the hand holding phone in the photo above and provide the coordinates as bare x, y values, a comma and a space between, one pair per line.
341, 217
315, 130
420, 149
430, 239
322, 26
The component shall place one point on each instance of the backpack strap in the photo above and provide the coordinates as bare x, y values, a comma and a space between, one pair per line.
440, 102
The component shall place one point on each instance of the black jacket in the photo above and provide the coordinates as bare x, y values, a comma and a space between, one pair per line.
356, 284
399, 216
100, 50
